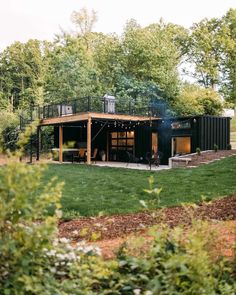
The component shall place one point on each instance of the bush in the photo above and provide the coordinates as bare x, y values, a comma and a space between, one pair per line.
215, 147
25, 229
229, 147
175, 266
198, 151
9, 131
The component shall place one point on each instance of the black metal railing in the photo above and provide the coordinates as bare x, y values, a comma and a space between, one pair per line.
98, 105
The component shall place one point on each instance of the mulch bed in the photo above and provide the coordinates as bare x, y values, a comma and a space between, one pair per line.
209, 156
110, 227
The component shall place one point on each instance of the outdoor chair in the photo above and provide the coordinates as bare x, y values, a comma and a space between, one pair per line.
131, 158
79, 157
94, 155
153, 158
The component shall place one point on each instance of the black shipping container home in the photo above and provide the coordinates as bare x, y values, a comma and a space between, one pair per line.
169, 136
184, 135
120, 130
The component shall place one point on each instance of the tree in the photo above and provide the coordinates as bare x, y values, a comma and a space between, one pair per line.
195, 100
228, 31
150, 55
85, 21
70, 72
205, 52
22, 74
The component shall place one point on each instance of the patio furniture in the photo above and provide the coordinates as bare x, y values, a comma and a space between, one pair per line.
153, 158
131, 158
67, 153
93, 157
81, 156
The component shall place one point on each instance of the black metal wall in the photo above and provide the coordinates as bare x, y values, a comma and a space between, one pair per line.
213, 130
142, 141
205, 131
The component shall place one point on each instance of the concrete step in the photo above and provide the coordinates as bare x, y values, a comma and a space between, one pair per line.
233, 144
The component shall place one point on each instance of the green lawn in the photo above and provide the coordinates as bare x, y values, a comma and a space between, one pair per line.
91, 190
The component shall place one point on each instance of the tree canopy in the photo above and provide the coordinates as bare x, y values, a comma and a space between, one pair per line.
142, 63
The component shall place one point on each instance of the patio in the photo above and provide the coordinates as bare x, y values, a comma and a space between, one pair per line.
137, 166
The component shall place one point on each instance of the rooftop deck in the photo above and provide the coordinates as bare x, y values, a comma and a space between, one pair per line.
96, 107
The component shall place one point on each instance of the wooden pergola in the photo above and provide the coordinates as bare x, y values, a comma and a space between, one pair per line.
87, 117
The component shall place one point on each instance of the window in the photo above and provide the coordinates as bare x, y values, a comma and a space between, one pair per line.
121, 142
181, 125
181, 145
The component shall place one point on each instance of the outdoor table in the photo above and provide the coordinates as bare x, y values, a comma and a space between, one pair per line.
72, 150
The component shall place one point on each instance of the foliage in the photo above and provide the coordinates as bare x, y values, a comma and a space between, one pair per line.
25, 228
205, 51
154, 192
176, 264
22, 71
198, 151
215, 147
228, 31
194, 100
70, 71
211, 50
84, 20
9, 132
149, 54
142, 63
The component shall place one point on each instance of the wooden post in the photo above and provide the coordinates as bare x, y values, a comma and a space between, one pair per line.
107, 154
60, 144
89, 141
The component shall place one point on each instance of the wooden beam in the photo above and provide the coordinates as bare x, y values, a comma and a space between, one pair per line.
64, 119
89, 141
60, 144
85, 116
120, 117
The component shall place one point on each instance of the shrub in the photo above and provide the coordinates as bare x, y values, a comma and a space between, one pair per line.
215, 147
9, 131
25, 229
229, 147
198, 151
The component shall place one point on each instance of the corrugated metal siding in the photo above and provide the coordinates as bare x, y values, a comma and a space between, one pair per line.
213, 130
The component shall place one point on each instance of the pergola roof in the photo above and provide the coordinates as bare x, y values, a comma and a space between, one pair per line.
90, 115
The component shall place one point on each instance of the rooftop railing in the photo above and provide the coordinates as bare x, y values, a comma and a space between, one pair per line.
97, 105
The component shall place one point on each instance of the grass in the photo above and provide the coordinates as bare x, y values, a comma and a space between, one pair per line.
91, 190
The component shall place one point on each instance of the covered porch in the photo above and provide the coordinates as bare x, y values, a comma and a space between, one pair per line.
116, 137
